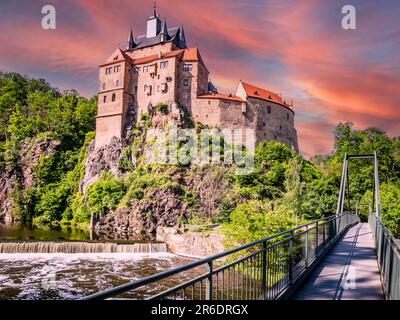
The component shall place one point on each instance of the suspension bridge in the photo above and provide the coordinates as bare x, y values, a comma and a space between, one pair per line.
334, 258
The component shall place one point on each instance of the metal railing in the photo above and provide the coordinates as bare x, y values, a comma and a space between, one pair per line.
388, 255
267, 269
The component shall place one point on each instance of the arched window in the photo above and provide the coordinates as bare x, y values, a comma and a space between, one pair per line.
104, 99
113, 97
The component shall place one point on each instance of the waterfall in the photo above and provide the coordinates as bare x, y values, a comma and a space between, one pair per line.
80, 247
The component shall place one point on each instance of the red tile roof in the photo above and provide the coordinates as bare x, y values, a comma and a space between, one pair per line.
221, 96
256, 92
193, 54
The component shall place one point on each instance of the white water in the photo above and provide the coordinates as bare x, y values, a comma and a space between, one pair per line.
80, 247
23, 275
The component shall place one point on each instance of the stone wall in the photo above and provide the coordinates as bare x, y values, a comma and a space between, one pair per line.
206, 111
278, 125
148, 51
191, 244
155, 78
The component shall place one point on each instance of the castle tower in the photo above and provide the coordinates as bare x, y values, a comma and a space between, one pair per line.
153, 24
113, 100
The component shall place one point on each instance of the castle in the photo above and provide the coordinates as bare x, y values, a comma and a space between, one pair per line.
158, 67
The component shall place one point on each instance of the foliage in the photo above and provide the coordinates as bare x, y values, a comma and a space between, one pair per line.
256, 219
104, 195
32, 111
162, 108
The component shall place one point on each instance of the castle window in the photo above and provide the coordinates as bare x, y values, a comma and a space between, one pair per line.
113, 97
209, 102
108, 70
186, 82
263, 124
117, 68
117, 83
268, 109
104, 99
275, 137
163, 64
187, 67
146, 68
147, 89
104, 86
135, 89
287, 116
280, 127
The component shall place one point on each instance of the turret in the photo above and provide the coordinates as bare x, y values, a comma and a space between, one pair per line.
164, 32
153, 24
131, 41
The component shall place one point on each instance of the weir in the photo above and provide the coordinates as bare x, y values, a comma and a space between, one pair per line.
80, 247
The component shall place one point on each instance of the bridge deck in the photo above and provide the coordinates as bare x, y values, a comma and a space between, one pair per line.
353, 257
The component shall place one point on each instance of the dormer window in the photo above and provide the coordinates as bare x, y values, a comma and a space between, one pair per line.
187, 67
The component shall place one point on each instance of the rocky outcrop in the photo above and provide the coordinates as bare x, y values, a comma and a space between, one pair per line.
22, 175
30, 155
98, 160
140, 219
6, 185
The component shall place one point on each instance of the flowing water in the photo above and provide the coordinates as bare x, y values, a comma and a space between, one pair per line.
81, 247
65, 269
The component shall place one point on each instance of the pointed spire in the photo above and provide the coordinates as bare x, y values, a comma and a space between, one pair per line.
155, 10
164, 31
131, 41
182, 35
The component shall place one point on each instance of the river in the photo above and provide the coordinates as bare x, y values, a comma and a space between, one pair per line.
39, 275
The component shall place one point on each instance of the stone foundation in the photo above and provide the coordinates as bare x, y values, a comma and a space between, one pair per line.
190, 243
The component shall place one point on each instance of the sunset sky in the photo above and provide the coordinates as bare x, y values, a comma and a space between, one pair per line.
293, 47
